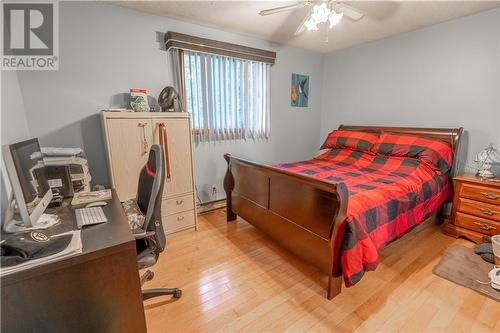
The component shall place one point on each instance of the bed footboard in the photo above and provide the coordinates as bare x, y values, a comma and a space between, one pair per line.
305, 215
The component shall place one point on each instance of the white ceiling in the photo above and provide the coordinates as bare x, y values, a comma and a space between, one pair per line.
383, 18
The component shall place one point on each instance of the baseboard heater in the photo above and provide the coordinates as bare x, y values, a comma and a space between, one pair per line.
208, 206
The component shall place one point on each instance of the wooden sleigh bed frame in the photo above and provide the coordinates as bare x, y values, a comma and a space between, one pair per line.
305, 215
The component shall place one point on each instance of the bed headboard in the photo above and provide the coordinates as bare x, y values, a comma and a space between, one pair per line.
449, 135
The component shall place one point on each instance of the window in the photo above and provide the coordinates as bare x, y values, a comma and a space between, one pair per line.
228, 98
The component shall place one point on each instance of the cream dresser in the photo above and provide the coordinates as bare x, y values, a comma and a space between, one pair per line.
129, 136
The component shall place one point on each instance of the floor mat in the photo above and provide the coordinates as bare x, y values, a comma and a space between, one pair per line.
462, 266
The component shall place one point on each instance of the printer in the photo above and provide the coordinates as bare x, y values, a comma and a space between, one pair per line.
67, 170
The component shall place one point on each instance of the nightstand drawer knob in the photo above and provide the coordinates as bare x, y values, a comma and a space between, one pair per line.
488, 211
485, 226
490, 195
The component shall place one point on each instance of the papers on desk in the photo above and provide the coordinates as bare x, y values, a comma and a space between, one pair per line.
44, 222
53, 151
74, 247
81, 198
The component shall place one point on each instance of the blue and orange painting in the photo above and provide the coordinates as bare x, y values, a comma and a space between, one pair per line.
300, 90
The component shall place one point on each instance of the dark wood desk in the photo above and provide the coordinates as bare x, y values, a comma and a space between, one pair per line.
95, 291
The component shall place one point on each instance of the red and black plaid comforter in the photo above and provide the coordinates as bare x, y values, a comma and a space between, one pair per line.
388, 196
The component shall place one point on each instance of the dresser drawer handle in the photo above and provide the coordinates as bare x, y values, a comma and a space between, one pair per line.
490, 195
180, 218
179, 202
488, 211
485, 226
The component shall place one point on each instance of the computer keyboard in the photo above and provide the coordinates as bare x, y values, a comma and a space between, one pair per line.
89, 216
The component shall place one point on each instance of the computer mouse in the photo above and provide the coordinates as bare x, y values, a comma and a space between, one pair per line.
96, 204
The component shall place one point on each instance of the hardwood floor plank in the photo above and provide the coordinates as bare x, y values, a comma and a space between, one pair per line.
466, 315
234, 278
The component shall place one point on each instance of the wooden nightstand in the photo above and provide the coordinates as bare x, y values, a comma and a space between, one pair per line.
476, 208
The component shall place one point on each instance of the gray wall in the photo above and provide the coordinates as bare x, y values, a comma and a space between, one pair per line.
14, 125
444, 75
105, 50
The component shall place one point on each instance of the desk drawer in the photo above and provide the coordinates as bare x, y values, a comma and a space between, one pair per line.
481, 209
480, 193
177, 205
178, 222
478, 224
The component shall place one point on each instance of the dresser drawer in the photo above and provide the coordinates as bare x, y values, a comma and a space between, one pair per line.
480, 193
481, 209
177, 205
478, 224
180, 221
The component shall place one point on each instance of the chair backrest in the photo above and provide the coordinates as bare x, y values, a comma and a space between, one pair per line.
150, 192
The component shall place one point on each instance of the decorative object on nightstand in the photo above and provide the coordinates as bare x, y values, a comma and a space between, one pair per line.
476, 208
485, 160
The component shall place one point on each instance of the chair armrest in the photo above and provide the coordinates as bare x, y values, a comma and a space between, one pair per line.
141, 234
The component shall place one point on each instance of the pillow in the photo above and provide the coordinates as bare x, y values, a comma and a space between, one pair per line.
435, 153
134, 214
362, 141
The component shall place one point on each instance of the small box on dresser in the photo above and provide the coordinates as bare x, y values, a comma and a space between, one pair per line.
476, 208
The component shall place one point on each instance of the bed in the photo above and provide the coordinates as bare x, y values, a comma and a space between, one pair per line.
336, 210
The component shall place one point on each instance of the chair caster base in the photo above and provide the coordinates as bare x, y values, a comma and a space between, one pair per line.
147, 276
150, 293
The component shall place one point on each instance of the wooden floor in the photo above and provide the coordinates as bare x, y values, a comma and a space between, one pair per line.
234, 278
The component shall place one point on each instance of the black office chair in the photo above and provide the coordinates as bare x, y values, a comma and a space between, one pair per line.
150, 240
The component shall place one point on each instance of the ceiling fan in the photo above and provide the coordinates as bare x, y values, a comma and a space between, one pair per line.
321, 12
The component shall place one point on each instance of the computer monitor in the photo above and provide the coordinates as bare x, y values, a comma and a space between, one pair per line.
29, 179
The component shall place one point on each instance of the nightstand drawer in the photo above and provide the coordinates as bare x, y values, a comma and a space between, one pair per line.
487, 211
480, 193
478, 224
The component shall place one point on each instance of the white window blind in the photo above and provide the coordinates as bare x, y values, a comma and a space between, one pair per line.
228, 98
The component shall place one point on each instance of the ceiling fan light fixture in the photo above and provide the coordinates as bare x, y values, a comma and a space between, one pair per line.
335, 18
323, 11
311, 25
320, 13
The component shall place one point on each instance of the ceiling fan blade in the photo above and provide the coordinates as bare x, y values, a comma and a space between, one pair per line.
351, 12
283, 8
302, 25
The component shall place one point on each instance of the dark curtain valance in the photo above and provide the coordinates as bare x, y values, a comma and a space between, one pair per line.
193, 43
